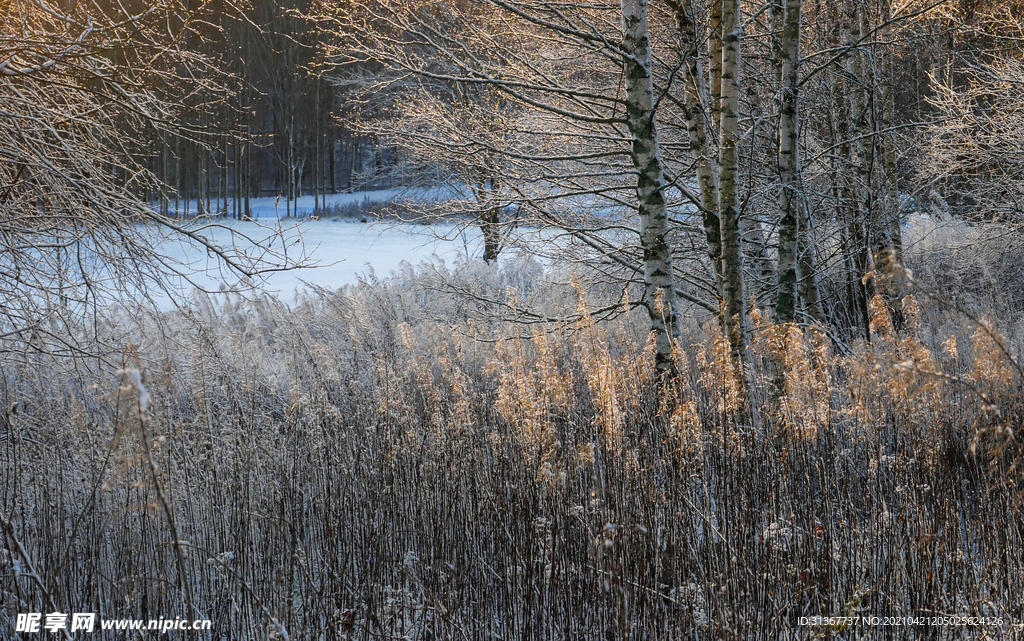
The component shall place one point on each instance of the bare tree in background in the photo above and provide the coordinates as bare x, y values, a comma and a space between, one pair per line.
447, 135
977, 150
80, 84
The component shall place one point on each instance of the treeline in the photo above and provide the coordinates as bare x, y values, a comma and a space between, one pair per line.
281, 130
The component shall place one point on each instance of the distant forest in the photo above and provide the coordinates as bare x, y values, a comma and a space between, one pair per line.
279, 127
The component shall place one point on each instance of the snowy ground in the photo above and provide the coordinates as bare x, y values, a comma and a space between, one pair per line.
342, 251
346, 250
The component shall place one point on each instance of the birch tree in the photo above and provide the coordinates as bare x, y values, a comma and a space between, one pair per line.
650, 182
700, 127
728, 167
789, 161
572, 152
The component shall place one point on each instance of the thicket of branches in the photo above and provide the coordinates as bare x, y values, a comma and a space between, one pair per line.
784, 185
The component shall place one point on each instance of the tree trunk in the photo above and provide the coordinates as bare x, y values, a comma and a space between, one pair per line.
861, 223
808, 268
789, 194
247, 167
891, 232
224, 179
290, 166
696, 103
165, 201
715, 58
179, 183
489, 218
317, 155
646, 154
728, 165
889, 245
332, 168
845, 194
489, 225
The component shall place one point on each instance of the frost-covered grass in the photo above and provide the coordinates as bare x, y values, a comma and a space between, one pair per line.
392, 462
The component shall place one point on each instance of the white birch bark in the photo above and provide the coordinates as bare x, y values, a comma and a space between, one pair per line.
646, 154
728, 207
789, 194
697, 106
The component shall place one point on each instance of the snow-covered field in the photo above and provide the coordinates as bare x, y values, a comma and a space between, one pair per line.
341, 252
